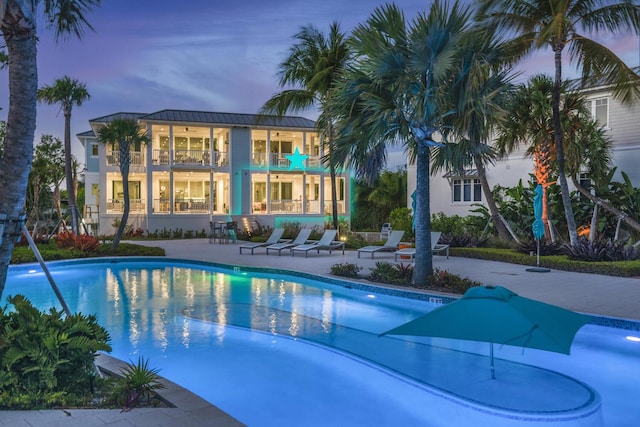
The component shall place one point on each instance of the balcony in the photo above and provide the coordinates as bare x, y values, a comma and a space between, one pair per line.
136, 158
190, 158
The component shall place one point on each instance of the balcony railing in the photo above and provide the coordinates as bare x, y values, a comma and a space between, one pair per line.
190, 157
194, 205
286, 206
259, 159
117, 205
328, 207
136, 158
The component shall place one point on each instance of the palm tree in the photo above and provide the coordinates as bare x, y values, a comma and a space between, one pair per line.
396, 93
67, 92
313, 66
123, 134
482, 88
560, 24
18, 24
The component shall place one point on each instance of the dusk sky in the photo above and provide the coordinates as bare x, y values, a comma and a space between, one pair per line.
145, 56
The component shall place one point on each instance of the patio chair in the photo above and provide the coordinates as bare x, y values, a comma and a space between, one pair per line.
435, 247
389, 246
276, 234
326, 243
300, 239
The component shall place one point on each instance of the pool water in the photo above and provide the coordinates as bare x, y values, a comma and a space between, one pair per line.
275, 350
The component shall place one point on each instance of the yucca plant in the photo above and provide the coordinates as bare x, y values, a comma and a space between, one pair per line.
137, 381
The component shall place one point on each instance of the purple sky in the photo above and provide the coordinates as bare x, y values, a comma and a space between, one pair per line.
145, 55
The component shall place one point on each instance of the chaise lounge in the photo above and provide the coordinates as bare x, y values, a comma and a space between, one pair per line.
389, 246
300, 239
326, 243
273, 239
435, 248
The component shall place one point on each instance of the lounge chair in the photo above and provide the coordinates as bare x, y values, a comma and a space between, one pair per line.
389, 246
435, 247
326, 243
276, 234
300, 239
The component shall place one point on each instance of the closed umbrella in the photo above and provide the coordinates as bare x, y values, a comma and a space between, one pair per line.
538, 228
494, 314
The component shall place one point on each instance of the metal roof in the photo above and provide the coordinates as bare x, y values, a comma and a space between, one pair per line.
87, 133
229, 119
121, 115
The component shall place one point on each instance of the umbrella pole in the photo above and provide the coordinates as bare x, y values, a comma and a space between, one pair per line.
493, 371
538, 253
537, 268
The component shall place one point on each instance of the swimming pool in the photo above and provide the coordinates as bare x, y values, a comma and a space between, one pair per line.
283, 350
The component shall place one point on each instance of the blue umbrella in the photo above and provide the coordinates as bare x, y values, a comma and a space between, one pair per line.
494, 314
538, 225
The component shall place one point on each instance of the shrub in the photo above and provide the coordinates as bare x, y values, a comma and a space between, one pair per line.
546, 248
46, 358
601, 250
137, 381
346, 270
402, 219
83, 242
447, 282
385, 272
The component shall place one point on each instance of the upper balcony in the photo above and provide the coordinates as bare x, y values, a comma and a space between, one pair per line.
280, 161
190, 158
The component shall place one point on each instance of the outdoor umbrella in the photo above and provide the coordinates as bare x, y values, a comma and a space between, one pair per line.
538, 228
494, 314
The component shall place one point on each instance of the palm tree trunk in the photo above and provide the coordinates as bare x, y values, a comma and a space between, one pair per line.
18, 144
332, 171
558, 137
503, 233
606, 206
124, 171
423, 269
68, 172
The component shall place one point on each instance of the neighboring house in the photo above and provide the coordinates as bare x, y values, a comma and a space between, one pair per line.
206, 166
454, 195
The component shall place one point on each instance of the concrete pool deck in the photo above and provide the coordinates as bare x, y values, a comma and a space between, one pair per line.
587, 293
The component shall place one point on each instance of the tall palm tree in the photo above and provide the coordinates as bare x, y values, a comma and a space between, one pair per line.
314, 64
68, 93
560, 24
123, 134
484, 83
396, 93
18, 25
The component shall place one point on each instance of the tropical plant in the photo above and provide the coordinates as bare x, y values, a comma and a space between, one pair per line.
47, 355
315, 61
601, 250
122, 134
346, 270
398, 91
68, 93
19, 20
484, 81
560, 24
137, 381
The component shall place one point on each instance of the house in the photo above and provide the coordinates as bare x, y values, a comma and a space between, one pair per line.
454, 194
207, 166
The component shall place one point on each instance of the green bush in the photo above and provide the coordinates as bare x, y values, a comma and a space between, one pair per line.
395, 274
346, 270
402, 219
47, 356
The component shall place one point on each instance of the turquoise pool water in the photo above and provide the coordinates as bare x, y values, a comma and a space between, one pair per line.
276, 350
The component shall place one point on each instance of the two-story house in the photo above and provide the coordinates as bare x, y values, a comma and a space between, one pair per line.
205, 166
453, 194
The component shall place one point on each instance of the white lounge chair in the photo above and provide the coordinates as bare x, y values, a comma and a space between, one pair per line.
300, 239
389, 246
435, 247
276, 234
326, 243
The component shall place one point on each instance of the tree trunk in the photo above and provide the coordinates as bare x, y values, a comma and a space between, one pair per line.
124, 171
423, 268
558, 137
503, 233
68, 173
18, 144
334, 189
606, 206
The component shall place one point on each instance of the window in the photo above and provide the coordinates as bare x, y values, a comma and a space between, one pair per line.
94, 150
600, 110
467, 190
